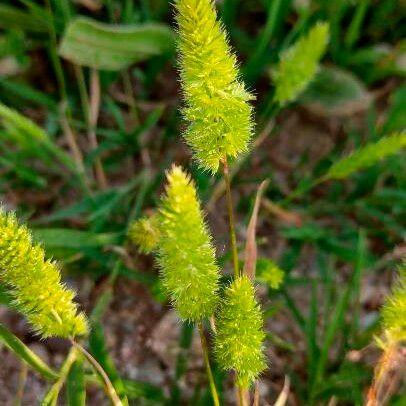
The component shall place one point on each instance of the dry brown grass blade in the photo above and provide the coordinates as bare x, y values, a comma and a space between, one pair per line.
251, 245
283, 396
388, 375
288, 217
92, 121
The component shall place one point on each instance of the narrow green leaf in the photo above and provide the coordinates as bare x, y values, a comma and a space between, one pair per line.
51, 397
13, 120
15, 18
367, 156
113, 47
142, 390
66, 238
75, 384
28, 93
24, 353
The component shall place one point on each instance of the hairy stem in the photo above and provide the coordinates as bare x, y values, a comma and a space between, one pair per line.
107, 383
207, 363
231, 218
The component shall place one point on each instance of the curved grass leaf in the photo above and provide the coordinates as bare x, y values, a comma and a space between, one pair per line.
31, 136
113, 47
75, 384
15, 18
66, 238
367, 156
25, 354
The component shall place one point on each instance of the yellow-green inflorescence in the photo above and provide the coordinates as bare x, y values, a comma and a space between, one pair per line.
240, 332
185, 254
269, 273
35, 283
394, 310
299, 63
145, 234
217, 107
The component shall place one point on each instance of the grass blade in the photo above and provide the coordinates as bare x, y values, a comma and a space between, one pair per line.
24, 353
75, 384
112, 47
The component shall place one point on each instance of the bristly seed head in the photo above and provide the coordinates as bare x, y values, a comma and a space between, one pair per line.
240, 332
394, 309
217, 111
35, 283
185, 253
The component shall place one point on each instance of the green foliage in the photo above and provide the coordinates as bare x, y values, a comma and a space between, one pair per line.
299, 63
335, 92
217, 109
113, 47
367, 156
25, 354
145, 234
394, 310
35, 283
269, 273
185, 254
240, 332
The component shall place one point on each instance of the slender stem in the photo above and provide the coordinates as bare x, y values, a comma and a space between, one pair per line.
207, 363
241, 395
128, 89
108, 385
92, 124
231, 218
22, 379
52, 396
84, 99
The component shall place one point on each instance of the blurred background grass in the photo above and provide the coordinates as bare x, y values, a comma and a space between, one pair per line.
80, 184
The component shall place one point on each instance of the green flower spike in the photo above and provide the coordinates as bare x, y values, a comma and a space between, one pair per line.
145, 234
299, 63
394, 310
269, 273
240, 333
35, 283
185, 254
217, 111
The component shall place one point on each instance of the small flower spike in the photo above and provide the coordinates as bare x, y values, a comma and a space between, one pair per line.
299, 63
394, 310
145, 234
217, 108
35, 283
186, 255
240, 333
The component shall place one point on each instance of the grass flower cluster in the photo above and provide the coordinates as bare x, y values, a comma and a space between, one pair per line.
217, 111
394, 310
35, 283
186, 255
299, 63
240, 332
269, 273
145, 234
